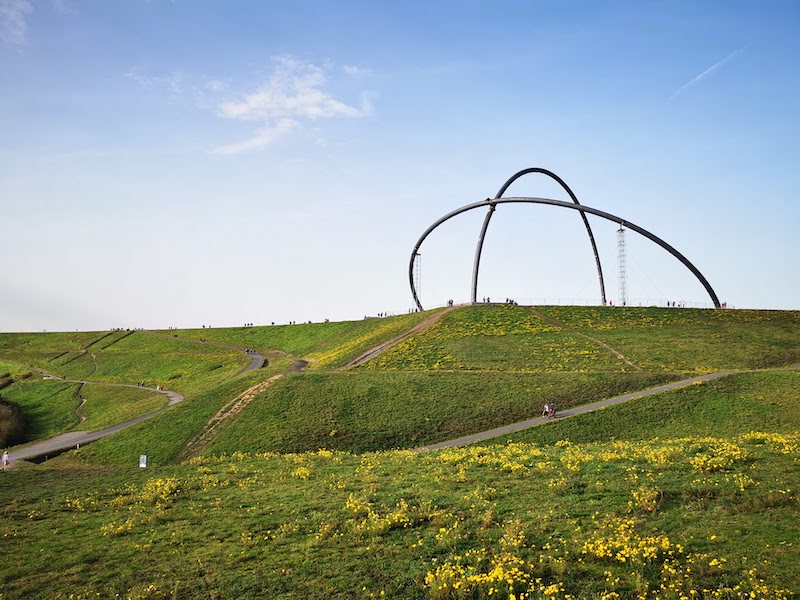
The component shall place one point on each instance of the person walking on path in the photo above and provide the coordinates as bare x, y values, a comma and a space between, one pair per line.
6, 459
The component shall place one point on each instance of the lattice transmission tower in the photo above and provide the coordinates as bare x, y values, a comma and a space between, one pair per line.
622, 267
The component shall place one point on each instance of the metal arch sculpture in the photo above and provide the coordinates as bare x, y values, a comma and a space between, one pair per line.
547, 201
479, 248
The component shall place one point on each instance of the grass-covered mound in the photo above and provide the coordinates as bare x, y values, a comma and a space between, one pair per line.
46, 346
591, 507
164, 437
51, 406
324, 345
690, 340
666, 518
515, 338
365, 410
125, 357
498, 338
103, 406
733, 405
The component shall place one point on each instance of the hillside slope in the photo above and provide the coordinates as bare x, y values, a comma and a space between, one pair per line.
686, 494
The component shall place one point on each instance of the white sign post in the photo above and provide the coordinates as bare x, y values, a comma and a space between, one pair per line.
143, 461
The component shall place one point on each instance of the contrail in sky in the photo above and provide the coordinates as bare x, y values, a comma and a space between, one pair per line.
708, 71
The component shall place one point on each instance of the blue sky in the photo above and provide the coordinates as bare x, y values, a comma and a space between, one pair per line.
185, 163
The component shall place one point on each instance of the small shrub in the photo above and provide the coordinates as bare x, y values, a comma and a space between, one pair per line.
12, 424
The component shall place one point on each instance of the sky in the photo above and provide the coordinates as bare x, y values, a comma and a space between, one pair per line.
172, 164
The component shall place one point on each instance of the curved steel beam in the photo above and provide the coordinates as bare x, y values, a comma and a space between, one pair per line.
580, 207
479, 248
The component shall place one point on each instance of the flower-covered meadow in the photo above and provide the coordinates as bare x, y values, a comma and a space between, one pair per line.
691, 517
514, 338
689, 340
497, 337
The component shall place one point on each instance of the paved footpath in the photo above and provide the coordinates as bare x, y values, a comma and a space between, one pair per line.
72, 439
519, 426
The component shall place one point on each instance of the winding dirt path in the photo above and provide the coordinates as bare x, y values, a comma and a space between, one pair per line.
553, 321
199, 442
421, 326
196, 445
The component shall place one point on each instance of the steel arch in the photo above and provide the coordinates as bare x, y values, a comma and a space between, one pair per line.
479, 248
492, 203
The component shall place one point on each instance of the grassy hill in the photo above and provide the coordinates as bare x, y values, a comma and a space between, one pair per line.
476, 368
692, 493
51, 406
324, 345
690, 340
361, 411
164, 436
515, 338
763, 401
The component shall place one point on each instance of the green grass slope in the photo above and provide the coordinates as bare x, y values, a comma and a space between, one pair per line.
513, 338
668, 518
690, 340
104, 406
763, 401
11, 370
325, 345
51, 407
497, 337
364, 410
125, 357
48, 406
20, 347
164, 436
687, 494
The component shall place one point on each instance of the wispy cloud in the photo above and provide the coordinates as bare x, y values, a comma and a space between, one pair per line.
354, 71
294, 90
294, 96
707, 72
263, 137
14, 21
294, 93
